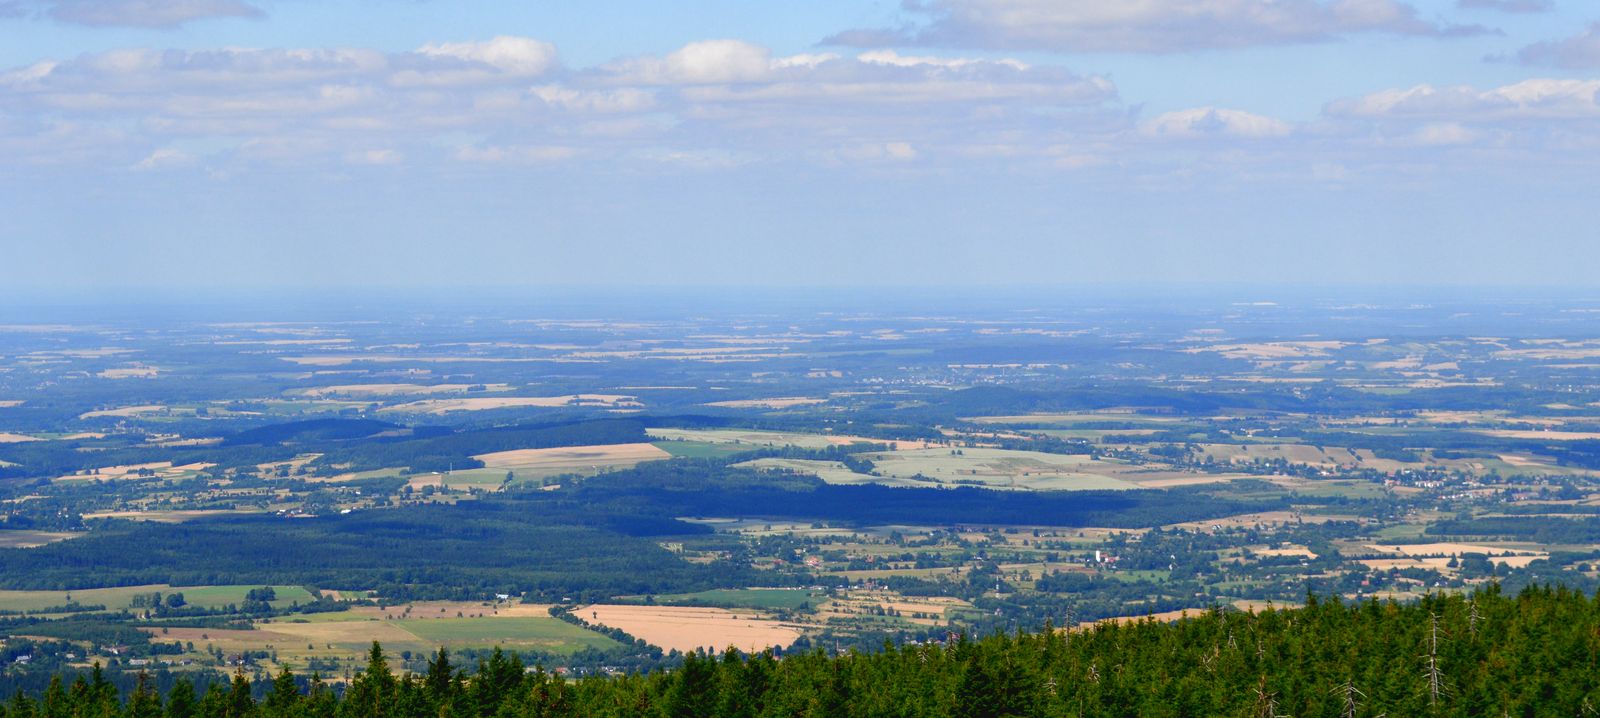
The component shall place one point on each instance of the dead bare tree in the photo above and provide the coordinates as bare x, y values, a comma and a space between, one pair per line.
1432, 674
1349, 693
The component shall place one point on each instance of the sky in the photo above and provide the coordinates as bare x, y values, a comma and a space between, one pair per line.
455, 145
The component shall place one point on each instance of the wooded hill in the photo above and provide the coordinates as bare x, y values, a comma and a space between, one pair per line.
1534, 654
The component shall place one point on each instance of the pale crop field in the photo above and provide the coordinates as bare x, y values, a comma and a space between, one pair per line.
126, 411
1003, 469
783, 402
33, 539
485, 403
831, 472
757, 438
573, 459
384, 390
686, 629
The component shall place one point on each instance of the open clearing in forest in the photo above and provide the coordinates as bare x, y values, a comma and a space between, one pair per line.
755, 438
686, 629
585, 460
33, 539
384, 390
1003, 469
486, 403
831, 472
762, 598
169, 516
121, 597
1109, 417
1509, 556
125, 411
9, 438
420, 628
157, 469
774, 403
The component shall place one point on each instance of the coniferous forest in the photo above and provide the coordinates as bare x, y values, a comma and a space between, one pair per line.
1532, 654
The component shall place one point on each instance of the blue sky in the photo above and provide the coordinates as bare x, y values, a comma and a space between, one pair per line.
459, 143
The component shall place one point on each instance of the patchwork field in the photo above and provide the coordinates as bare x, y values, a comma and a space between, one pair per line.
30, 539
762, 598
775, 403
125, 411
775, 438
387, 390
1002, 469
831, 472
686, 629
588, 460
121, 597
485, 403
418, 628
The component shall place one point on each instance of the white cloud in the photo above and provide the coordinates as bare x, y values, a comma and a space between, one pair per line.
1215, 122
1579, 52
1145, 26
165, 157
705, 62
1529, 99
459, 63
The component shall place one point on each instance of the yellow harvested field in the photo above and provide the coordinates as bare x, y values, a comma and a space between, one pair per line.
6, 438
484, 403
573, 458
395, 389
124, 411
161, 469
686, 628
1450, 549
777, 403
10, 403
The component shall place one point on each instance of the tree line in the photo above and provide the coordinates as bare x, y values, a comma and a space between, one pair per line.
1489, 653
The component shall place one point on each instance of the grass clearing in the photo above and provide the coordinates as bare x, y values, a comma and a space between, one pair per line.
122, 596
546, 633
1003, 469
486, 403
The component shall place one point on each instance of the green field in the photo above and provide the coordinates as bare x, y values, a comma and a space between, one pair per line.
764, 598
831, 472
1002, 469
547, 634
701, 449
748, 438
120, 597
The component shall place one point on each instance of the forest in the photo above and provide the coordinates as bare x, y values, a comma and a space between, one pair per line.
1487, 653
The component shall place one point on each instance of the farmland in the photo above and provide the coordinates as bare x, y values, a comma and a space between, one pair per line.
596, 494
